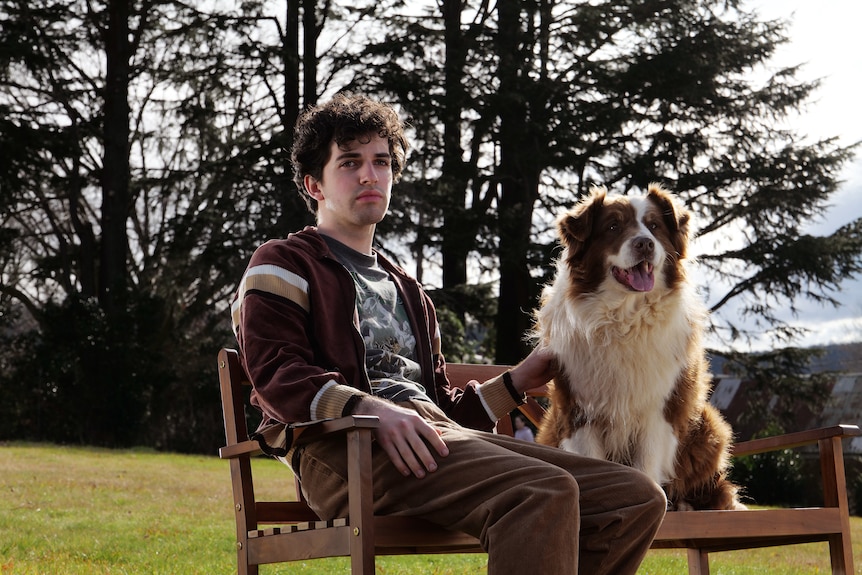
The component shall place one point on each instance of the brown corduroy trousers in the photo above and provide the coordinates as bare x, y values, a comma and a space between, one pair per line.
536, 509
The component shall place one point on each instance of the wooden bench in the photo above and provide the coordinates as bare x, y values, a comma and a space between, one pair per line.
272, 532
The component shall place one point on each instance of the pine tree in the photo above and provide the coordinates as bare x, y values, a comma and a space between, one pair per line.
561, 95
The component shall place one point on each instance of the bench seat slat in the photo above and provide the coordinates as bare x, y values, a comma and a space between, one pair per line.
701, 526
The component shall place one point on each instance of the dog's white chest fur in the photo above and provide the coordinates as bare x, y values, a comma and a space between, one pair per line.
622, 354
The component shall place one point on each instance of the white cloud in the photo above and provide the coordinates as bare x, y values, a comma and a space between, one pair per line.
824, 38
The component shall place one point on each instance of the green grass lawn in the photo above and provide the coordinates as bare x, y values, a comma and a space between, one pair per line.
71, 510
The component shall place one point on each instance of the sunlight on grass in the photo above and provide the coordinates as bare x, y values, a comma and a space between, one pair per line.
72, 510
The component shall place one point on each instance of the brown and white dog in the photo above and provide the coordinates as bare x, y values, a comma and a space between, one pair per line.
624, 324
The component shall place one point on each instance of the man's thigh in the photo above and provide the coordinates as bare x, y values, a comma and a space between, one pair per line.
481, 467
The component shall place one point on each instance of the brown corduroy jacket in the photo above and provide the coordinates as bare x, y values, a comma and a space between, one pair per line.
295, 320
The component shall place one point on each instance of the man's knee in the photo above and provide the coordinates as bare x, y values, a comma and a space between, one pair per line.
658, 500
559, 492
653, 493
649, 497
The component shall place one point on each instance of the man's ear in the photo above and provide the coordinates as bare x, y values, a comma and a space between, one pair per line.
312, 187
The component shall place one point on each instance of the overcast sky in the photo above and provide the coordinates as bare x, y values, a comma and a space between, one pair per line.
825, 39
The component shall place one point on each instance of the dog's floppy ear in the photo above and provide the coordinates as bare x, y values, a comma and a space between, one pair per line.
574, 226
676, 217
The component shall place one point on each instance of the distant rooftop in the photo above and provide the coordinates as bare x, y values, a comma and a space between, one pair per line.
843, 406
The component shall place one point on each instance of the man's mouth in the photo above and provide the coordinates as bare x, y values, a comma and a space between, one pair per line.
637, 278
369, 195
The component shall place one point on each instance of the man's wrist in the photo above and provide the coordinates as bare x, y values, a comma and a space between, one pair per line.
519, 398
351, 404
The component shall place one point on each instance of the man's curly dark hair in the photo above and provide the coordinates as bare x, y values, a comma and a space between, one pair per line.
344, 119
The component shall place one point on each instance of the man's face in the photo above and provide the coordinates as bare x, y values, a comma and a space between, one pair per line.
356, 186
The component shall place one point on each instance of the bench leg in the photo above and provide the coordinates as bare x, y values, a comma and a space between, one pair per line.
360, 496
698, 562
841, 555
835, 495
243, 568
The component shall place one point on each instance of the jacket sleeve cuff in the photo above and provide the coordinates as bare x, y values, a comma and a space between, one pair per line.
496, 398
331, 400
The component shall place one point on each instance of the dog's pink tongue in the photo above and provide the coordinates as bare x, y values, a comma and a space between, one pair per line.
641, 278
637, 278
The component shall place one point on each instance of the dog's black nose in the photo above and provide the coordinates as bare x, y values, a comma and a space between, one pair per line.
643, 246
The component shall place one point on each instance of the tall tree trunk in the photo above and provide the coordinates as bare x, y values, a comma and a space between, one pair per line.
115, 169
518, 184
300, 15
459, 235
290, 55
311, 31
109, 404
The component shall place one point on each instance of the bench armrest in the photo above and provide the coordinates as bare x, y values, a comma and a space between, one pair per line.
311, 432
791, 440
247, 447
320, 429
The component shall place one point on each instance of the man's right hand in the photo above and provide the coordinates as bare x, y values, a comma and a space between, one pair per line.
405, 436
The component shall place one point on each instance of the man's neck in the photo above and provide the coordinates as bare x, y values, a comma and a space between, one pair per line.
359, 240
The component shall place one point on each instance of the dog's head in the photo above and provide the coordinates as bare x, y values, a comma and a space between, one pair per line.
633, 243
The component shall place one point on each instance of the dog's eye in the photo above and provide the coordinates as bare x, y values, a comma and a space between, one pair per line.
613, 226
653, 226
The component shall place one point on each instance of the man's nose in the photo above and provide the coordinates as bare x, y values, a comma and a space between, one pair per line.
369, 174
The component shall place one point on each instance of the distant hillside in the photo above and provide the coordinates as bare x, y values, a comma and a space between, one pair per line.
844, 358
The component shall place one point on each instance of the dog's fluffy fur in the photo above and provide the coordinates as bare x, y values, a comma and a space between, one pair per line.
625, 324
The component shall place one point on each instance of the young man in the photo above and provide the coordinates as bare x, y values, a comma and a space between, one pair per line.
328, 327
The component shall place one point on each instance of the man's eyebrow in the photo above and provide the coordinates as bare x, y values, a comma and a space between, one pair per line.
343, 155
349, 155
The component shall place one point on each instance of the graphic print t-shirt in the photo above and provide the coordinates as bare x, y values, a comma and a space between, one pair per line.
390, 346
